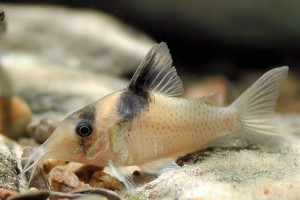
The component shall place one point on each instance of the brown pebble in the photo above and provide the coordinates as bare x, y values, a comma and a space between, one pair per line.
33, 189
15, 115
49, 164
103, 180
63, 180
82, 171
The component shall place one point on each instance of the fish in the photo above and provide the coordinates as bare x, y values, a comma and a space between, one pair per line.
147, 124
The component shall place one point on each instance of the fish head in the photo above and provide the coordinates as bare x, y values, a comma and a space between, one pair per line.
82, 136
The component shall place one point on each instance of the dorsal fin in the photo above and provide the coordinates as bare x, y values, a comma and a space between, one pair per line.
157, 74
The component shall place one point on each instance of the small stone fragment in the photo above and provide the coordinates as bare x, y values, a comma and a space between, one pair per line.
63, 180
103, 180
49, 164
15, 114
33, 189
43, 125
83, 172
38, 181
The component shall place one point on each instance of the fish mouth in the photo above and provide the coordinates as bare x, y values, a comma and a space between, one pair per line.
36, 156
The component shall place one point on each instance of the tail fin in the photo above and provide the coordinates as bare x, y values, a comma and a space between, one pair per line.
255, 109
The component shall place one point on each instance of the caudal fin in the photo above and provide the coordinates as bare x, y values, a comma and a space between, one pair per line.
255, 111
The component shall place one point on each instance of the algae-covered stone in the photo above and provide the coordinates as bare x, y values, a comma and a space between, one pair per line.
8, 166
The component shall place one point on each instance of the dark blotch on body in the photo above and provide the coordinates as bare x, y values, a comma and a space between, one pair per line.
131, 105
88, 113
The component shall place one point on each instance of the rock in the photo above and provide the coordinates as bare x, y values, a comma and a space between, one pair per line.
49, 164
83, 172
43, 125
228, 174
103, 180
38, 181
75, 38
76, 176
8, 167
63, 180
15, 115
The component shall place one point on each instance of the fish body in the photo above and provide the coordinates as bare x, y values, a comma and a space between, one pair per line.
169, 126
148, 125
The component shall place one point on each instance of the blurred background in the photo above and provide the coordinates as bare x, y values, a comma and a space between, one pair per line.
62, 55
211, 36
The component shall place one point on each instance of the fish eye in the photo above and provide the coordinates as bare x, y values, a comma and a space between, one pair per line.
84, 129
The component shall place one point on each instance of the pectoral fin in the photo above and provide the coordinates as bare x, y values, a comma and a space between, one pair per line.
159, 166
123, 175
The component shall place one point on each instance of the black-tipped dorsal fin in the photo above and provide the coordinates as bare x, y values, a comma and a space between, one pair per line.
156, 74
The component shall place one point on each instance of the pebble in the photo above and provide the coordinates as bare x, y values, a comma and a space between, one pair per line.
15, 115
49, 164
63, 180
103, 180
83, 172
43, 125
